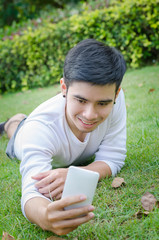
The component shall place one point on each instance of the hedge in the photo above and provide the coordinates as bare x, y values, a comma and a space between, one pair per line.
36, 58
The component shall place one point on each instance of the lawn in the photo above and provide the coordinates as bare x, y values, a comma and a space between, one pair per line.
115, 208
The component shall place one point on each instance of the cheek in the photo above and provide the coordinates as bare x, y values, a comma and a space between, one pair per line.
73, 109
105, 113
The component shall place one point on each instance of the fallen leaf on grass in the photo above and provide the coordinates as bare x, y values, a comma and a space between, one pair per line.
55, 238
153, 186
141, 214
117, 182
140, 84
6, 236
151, 90
148, 201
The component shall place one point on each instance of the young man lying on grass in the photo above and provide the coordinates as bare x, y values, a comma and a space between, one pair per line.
87, 118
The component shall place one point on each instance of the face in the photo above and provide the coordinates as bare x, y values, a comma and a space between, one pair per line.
87, 106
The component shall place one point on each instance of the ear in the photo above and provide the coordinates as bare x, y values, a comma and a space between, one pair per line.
63, 86
117, 92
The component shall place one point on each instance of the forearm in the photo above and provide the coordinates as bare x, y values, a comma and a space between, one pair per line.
35, 210
101, 167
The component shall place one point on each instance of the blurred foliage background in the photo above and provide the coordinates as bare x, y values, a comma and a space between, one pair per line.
36, 35
21, 10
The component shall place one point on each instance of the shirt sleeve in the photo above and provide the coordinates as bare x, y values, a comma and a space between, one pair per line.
112, 149
37, 147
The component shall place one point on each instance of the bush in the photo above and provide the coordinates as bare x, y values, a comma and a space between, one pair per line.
21, 10
36, 58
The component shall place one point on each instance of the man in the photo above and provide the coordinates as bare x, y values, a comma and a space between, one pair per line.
66, 130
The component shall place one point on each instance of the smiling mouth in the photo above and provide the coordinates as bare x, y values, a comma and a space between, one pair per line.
87, 123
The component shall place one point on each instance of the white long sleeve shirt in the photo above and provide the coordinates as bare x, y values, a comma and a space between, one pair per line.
45, 140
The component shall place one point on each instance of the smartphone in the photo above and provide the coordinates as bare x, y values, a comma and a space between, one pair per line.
80, 181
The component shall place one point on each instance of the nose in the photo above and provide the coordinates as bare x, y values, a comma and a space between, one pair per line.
90, 113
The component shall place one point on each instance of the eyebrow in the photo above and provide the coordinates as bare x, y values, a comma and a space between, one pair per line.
100, 101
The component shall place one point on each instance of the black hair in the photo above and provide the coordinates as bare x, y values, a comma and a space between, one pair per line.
93, 62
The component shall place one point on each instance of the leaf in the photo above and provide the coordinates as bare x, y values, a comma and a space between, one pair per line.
141, 214
55, 238
148, 201
117, 182
140, 84
151, 90
6, 236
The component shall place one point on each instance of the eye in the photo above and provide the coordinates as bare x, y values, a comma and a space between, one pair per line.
81, 100
103, 103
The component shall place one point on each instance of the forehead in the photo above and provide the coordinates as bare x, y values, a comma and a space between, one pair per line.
89, 91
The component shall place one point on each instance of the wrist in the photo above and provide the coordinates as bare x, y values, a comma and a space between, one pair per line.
36, 211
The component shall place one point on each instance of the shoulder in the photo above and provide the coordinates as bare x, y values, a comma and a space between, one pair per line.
49, 111
121, 98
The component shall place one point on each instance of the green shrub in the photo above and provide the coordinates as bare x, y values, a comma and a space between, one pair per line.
36, 58
21, 10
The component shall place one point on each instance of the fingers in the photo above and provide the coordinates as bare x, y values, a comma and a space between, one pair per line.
58, 183
64, 221
40, 176
58, 196
54, 194
63, 227
63, 231
67, 201
75, 222
45, 180
81, 212
69, 218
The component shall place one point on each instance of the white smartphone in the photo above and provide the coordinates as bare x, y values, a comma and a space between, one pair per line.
80, 181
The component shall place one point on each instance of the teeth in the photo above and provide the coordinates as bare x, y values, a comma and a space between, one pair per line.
87, 123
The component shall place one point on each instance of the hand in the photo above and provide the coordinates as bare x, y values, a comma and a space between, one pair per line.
51, 183
62, 221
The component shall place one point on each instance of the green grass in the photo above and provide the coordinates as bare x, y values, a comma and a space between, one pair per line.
115, 208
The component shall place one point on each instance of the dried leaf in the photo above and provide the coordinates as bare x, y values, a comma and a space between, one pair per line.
117, 182
140, 84
6, 236
151, 90
140, 214
148, 201
55, 238
153, 186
